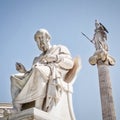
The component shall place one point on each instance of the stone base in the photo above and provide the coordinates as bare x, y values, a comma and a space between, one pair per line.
33, 114
101, 57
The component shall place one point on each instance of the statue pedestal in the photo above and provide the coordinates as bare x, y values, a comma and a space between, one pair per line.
33, 114
62, 111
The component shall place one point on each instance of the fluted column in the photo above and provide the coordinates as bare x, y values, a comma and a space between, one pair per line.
108, 111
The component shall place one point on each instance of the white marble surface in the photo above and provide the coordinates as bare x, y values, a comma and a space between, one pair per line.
34, 114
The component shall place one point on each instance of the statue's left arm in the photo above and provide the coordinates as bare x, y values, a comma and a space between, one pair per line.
64, 58
61, 56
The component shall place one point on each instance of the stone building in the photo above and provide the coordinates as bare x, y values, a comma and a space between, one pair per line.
5, 109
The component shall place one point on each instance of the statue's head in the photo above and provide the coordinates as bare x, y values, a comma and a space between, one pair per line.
42, 37
43, 34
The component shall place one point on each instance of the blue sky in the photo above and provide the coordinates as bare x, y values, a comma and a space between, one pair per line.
65, 20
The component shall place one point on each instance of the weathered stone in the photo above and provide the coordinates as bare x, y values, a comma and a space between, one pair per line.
103, 61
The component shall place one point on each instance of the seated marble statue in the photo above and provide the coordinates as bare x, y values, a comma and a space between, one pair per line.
43, 82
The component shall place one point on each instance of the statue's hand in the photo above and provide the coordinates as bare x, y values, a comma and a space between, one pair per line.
20, 68
51, 58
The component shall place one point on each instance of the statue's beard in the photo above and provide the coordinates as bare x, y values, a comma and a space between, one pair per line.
44, 48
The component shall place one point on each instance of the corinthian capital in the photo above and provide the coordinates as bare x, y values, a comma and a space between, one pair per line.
101, 57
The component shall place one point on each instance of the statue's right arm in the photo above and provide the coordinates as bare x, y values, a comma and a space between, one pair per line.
20, 68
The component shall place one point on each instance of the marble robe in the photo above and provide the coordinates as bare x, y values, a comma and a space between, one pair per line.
44, 80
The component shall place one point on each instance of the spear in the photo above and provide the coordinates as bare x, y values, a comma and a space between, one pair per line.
87, 37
